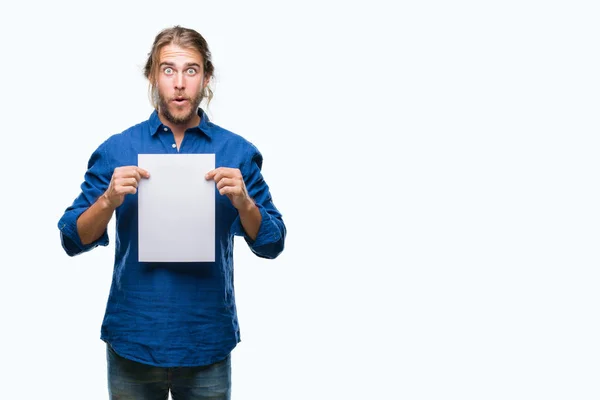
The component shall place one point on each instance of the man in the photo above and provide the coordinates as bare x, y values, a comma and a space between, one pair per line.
171, 326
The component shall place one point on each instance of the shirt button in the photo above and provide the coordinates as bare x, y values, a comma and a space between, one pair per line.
173, 145
165, 129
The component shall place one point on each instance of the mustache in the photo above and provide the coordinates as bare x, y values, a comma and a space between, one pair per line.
157, 98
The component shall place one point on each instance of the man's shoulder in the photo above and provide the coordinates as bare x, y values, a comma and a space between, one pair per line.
133, 132
231, 137
137, 129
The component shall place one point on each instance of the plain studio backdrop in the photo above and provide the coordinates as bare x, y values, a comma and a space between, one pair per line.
435, 162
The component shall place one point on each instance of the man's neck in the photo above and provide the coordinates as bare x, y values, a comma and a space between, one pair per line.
179, 129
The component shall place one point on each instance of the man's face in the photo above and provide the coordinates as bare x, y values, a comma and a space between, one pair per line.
180, 83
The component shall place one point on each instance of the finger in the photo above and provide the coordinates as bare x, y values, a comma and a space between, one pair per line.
234, 174
129, 190
212, 174
221, 183
230, 190
119, 172
219, 173
131, 171
142, 172
125, 189
136, 175
129, 181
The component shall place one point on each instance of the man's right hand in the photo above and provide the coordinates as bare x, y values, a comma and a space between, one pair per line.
124, 181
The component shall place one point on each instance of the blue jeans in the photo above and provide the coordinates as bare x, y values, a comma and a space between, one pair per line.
130, 380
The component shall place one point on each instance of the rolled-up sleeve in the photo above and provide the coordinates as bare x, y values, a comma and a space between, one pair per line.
97, 178
270, 240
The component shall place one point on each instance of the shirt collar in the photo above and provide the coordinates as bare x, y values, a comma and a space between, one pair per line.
204, 126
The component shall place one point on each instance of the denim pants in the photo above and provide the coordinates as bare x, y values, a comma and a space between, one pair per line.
129, 380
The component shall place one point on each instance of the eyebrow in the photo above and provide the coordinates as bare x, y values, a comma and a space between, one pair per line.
170, 64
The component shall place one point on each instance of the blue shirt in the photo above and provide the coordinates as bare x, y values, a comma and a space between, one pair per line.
174, 314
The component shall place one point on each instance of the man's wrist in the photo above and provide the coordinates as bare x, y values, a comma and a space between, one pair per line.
105, 203
248, 207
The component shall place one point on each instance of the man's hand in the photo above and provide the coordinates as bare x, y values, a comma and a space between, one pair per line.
124, 181
230, 183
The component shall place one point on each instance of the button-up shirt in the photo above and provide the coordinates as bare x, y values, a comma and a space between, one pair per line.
172, 314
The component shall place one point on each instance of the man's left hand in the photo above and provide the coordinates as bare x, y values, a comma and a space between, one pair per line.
230, 183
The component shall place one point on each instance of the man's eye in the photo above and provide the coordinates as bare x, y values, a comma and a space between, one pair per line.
191, 71
168, 71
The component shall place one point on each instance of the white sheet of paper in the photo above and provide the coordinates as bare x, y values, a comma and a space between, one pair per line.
176, 208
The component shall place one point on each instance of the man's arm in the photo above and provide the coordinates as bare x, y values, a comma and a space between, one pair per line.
250, 218
92, 223
259, 221
231, 184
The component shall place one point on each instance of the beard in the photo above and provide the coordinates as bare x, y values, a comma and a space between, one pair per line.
179, 118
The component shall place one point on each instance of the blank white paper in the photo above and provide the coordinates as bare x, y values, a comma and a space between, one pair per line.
176, 208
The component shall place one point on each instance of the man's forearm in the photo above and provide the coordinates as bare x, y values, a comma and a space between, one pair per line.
92, 223
250, 218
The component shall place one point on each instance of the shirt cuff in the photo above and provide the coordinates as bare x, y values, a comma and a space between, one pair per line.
268, 231
69, 236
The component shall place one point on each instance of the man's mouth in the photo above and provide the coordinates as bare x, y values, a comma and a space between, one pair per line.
180, 100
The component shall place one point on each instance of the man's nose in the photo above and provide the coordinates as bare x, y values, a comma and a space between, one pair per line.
180, 81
